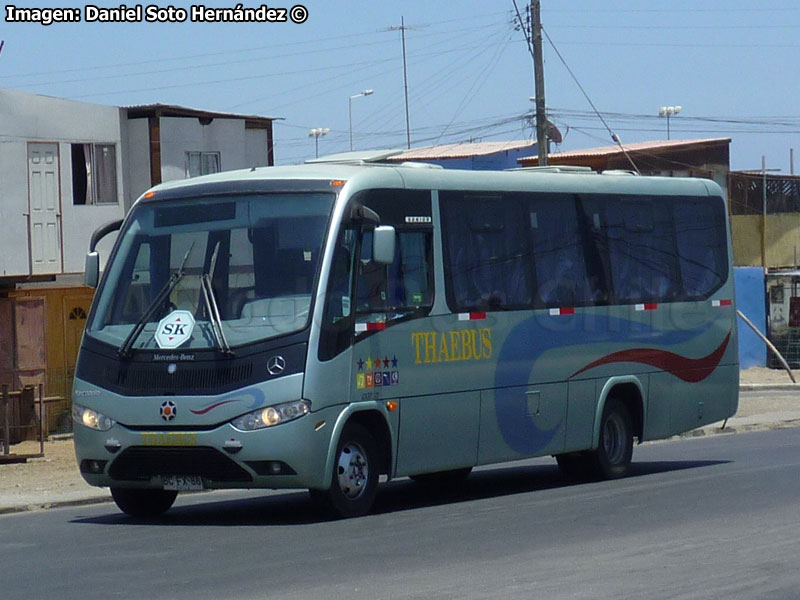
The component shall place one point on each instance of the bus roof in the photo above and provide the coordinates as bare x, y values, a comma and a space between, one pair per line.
362, 170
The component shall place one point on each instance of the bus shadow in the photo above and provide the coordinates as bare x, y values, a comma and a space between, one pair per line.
296, 507
505, 481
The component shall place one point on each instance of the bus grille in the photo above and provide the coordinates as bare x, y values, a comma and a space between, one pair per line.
140, 463
186, 378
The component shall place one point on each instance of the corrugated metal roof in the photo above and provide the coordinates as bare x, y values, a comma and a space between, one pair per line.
461, 150
631, 148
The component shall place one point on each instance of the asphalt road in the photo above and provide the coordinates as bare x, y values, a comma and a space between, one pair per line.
715, 517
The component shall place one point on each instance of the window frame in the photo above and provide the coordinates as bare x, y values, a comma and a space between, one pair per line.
201, 154
92, 191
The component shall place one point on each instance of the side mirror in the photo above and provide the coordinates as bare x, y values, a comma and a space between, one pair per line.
383, 241
91, 274
92, 269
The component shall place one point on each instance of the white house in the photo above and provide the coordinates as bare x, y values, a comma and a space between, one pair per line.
60, 166
66, 168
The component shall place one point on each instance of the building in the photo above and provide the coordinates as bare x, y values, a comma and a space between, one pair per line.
765, 225
68, 167
708, 158
480, 156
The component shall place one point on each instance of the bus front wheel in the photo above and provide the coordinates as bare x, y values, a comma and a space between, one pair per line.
143, 503
355, 475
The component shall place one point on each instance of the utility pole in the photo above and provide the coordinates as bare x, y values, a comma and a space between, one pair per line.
764, 214
538, 75
402, 29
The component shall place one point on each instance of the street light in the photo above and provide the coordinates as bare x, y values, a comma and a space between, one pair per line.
350, 106
668, 111
316, 133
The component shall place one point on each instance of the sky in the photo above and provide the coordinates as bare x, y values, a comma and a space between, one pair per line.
731, 65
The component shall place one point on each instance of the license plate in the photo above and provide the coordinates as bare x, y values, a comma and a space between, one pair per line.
182, 483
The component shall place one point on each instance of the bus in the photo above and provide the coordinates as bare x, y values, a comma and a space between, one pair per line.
330, 325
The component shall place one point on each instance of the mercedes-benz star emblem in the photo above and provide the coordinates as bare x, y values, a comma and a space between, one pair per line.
276, 365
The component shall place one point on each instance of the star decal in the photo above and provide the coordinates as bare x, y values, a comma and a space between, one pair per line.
394, 361
385, 362
360, 365
369, 364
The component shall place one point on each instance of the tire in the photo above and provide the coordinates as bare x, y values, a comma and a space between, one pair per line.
442, 479
143, 503
612, 458
354, 483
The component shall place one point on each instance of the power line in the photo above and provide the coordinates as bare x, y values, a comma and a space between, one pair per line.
685, 44
614, 136
681, 10
270, 47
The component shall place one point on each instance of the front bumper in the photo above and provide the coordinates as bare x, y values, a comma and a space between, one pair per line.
290, 455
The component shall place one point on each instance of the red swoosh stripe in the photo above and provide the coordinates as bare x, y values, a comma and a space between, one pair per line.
212, 407
690, 370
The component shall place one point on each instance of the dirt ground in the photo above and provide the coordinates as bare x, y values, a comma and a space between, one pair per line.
23, 483
765, 375
58, 471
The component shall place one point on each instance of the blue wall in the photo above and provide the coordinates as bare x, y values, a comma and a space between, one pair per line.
505, 159
751, 300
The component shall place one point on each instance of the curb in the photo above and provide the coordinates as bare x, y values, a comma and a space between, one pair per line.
8, 510
769, 387
737, 428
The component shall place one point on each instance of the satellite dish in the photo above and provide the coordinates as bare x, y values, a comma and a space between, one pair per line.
552, 132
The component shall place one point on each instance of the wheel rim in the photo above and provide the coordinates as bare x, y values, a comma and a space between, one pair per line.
353, 471
614, 439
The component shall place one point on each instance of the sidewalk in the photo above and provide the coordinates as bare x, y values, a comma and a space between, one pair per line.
54, 480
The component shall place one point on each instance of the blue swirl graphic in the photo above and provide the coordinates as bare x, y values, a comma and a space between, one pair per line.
529, 340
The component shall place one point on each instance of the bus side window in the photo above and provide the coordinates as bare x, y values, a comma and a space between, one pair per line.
557, 246
337, 324
641, 246
401, 287
486, 251
700, 232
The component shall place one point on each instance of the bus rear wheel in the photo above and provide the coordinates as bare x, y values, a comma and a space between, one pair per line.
355, 475
143, 503
612, 458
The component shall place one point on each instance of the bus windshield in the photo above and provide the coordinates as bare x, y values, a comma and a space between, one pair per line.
243, 267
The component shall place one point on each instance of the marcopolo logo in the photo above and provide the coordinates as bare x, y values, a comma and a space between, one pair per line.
168, 410
174, 329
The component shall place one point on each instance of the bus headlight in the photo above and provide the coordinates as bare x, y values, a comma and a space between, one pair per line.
91, 418
272, 415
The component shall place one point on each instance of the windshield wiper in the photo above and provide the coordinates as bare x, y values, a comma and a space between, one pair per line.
124, 351
214, 319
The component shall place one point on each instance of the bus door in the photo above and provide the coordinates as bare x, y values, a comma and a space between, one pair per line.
438, 428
